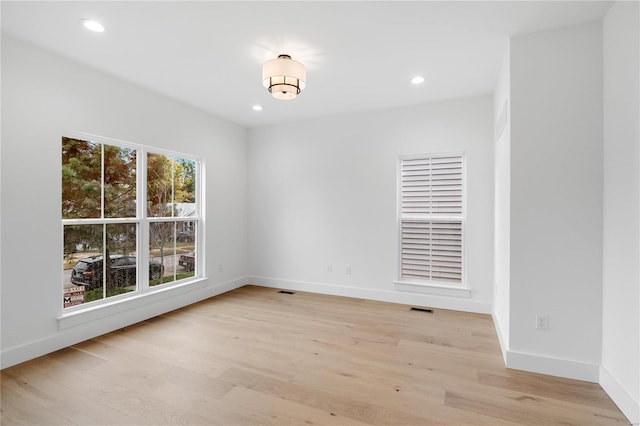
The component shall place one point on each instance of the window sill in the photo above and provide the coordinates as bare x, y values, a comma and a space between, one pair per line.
435, 289
92, 313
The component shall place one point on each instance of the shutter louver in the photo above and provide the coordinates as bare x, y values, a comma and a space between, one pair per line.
431, 211
432, 186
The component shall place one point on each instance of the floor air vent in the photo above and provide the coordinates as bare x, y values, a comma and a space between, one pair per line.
425, 310
287, 292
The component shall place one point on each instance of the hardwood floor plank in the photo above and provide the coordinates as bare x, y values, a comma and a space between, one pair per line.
81, 410
547, 386
23, 404
279, 411
531, 410
254, 356
301, 394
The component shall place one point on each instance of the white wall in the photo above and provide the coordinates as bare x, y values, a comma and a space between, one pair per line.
502, 184
323, 192
556, 201
42, 94
620, 372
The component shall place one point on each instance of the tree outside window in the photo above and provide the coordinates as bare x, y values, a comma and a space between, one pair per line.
171, 199
103, 219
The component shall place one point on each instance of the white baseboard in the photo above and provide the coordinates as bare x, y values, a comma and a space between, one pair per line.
502, 338
79, 330
407, 298
621, 396
569, 369
573, 370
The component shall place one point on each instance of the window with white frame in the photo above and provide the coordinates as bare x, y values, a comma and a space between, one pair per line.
130, 218
431, 218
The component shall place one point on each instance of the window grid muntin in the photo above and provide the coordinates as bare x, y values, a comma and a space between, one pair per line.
141, 219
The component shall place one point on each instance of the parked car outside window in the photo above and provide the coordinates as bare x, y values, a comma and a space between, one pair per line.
89, 270
187, 261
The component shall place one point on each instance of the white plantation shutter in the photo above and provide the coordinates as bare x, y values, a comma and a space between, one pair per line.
431, 215
432, 186
432, 250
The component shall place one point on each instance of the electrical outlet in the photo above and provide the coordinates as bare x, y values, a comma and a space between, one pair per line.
330, 268
348, 269
219, 268
542, 322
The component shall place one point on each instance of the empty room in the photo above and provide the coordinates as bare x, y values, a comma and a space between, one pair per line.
320, 212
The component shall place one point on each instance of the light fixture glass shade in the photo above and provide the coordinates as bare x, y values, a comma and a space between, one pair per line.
284, 77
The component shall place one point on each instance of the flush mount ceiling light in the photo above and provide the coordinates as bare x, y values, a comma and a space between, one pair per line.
417, 79
284, 77
93, 25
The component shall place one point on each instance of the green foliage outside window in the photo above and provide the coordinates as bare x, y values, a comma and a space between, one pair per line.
99, 184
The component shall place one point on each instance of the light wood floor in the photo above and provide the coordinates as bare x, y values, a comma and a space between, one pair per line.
255, 356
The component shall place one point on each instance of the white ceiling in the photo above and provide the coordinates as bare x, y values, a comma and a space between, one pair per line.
359, 55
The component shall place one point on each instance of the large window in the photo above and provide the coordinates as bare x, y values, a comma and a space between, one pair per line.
130, 217
431, 218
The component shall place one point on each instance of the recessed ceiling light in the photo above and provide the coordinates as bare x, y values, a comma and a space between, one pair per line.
257, 108
417, 80
93, 25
